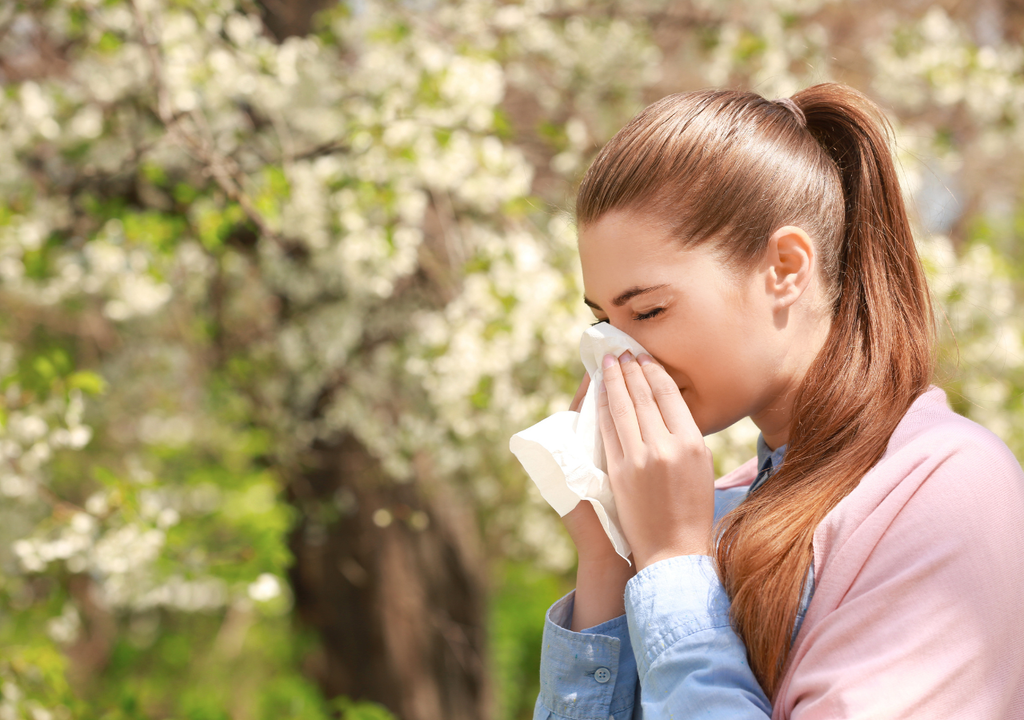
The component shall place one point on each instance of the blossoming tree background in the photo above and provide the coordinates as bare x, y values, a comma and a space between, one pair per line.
279, 280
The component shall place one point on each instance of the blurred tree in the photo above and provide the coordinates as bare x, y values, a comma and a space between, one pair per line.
280, 283
299, 265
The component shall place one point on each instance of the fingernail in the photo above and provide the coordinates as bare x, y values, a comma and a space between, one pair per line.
609, 360
644, 359
601, 390
625, 357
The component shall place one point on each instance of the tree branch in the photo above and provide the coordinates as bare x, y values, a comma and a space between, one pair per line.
199, 143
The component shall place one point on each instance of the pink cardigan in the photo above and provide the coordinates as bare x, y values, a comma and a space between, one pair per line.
918, 606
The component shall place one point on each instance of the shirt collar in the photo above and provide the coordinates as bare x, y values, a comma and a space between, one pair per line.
766, 459
764, 452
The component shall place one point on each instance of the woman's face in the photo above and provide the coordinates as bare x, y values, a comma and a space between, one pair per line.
713, 328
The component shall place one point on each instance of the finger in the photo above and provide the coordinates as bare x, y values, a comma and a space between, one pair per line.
581, 392
670, 402
610, 436
648, 416
620, 407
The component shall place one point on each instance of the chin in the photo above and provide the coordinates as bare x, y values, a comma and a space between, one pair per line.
712, 425
706, 425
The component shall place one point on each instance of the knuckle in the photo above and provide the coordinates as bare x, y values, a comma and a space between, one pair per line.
642, 398
667, 457
694, 451
663, 390
658, 455
620, 410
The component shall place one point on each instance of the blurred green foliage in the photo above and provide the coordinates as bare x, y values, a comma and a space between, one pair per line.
520, 600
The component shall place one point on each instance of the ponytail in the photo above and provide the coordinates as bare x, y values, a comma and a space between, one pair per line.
876, 361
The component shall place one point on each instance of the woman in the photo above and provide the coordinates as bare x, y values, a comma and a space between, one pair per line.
868, 562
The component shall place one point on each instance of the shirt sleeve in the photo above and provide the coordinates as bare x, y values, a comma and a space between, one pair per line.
593, 674
585, 675
690, 661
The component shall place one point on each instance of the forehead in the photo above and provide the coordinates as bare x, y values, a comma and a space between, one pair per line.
621, 250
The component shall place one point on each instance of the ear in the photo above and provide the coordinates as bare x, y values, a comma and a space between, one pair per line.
791, 263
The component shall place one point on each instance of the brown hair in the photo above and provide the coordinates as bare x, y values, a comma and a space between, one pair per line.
732, 167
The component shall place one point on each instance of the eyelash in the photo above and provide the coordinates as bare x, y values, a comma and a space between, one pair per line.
648, 315
645, 316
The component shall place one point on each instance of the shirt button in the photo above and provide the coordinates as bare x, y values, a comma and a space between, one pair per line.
602, 675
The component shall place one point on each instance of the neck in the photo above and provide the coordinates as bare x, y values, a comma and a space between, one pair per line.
797, 352
774, 420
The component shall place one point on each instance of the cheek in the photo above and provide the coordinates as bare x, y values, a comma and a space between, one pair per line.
661, 342
704, 354
670, 348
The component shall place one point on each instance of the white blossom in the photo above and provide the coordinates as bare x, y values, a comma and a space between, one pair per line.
265, 587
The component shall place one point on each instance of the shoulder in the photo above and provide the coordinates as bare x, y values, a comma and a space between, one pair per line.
930, 419
921, 560
944, 482
949, 449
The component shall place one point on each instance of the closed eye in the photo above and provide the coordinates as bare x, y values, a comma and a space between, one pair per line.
649, 314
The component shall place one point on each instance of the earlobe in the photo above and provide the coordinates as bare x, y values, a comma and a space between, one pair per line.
791, 257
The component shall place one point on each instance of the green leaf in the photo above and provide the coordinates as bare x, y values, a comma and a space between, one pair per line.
109, 43
88, 382
351, 710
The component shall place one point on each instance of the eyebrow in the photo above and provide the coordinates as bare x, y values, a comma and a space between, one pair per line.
626, 296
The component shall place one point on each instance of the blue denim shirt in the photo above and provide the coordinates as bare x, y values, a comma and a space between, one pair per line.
673, 654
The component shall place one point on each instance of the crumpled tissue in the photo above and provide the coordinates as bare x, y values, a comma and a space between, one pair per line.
564, 454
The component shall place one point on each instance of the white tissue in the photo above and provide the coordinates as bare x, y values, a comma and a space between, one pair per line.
564, 454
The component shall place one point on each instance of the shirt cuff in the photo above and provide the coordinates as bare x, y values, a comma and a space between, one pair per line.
671, 600
588, 674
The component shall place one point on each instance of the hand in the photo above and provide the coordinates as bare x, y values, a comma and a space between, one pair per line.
584, 528
581, 392
660, 469
601, 575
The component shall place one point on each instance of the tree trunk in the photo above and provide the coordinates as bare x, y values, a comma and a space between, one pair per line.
288, 18
388, 576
